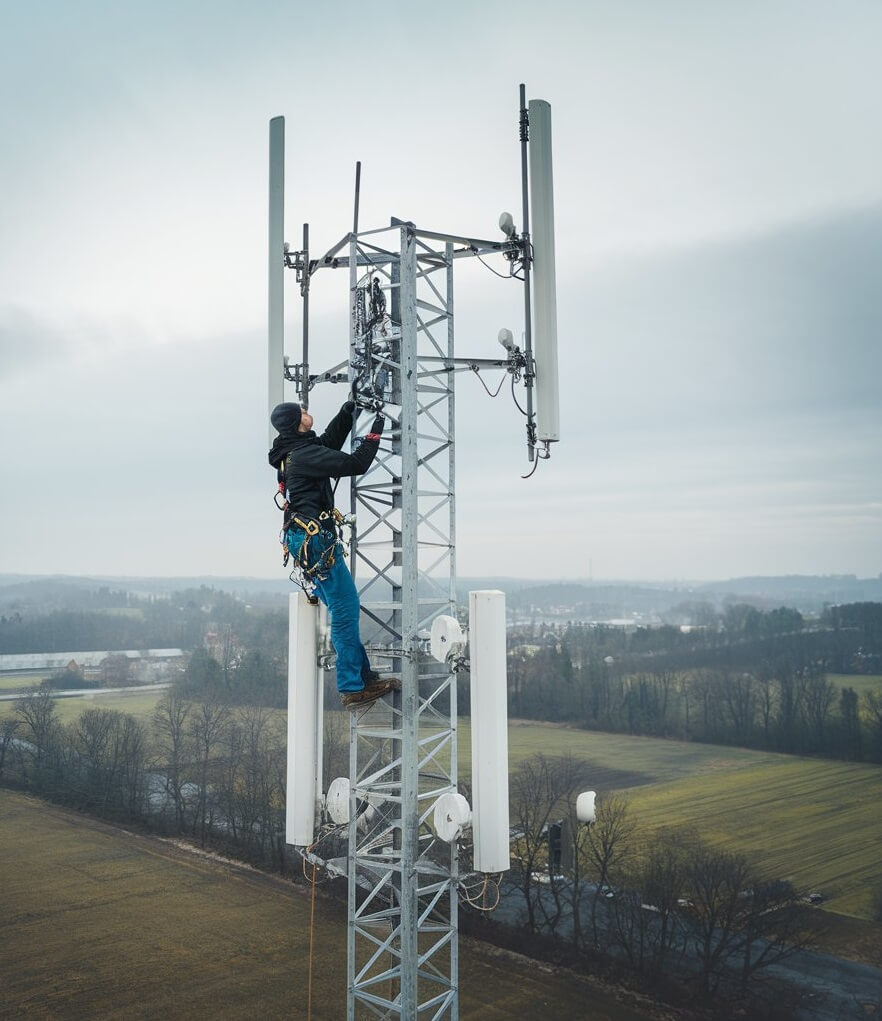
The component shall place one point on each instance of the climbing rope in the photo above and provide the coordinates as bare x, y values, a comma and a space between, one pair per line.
311, 943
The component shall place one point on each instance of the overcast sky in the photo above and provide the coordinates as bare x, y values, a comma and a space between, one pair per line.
718, 194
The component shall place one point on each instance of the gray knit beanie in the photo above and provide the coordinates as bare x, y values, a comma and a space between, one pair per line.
285, 418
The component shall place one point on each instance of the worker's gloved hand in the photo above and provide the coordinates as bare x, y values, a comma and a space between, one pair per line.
348, 407
379, 422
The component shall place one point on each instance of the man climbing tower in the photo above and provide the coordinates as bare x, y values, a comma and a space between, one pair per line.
305, 464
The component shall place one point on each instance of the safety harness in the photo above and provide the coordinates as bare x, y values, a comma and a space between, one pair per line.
327, 521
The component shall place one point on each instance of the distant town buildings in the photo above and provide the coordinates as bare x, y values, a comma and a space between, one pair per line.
145, 665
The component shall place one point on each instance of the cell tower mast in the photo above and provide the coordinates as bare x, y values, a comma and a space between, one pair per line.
400, 806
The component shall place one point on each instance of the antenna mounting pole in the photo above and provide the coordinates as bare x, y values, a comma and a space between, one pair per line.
525, 241
304, 291
357, 195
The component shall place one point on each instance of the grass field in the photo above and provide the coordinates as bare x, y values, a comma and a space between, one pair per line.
139, 704
101, 923
860, 682
816, 823
17, 682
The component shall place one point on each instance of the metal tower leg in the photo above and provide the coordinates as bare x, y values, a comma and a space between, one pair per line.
403, 957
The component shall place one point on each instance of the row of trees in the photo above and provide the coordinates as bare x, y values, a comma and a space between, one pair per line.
203, 769
665, 905
771, 693
179, 621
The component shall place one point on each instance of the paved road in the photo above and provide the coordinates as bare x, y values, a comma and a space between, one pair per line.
136, 689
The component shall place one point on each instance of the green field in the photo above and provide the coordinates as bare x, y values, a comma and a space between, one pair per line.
101, 923
19, 682
860, 682
654, 759
813, 822
139, 704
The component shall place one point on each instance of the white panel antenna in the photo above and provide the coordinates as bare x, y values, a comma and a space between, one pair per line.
276, 267
543, 272
304, 722
490, 823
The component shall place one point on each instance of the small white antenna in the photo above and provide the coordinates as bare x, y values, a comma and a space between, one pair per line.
586, 811
506, 224
451, 816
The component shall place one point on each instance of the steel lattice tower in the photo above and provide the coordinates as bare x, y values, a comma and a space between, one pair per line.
402, 935
402, 879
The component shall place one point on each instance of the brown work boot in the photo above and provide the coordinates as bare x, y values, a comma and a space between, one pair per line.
383, 684
370, 693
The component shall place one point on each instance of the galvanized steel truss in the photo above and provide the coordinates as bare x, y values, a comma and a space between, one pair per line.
403, 948
402, 941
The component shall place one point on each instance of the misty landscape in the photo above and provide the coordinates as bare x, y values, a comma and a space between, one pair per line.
726, 735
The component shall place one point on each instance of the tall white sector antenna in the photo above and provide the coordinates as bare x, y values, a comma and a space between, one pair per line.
276, 267
544, 285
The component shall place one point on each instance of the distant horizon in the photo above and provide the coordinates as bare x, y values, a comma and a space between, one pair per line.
546, 580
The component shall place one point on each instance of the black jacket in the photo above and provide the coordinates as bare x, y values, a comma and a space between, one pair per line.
307, 463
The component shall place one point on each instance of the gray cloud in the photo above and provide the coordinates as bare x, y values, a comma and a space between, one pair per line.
720, 403
24, 341
726, 390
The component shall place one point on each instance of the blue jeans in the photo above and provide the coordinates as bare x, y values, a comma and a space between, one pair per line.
336, 589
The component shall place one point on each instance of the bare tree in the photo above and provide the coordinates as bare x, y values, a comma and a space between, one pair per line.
774, 925
92, 737
109, 753
644, 916
233, 798
739, 697
228, 651
8, 727
39, 718
871, 711
541, 789
207, 724
662, 879
607, 849
766, 699
819, 694
170, 725
717, 883
248, 776
131, 737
